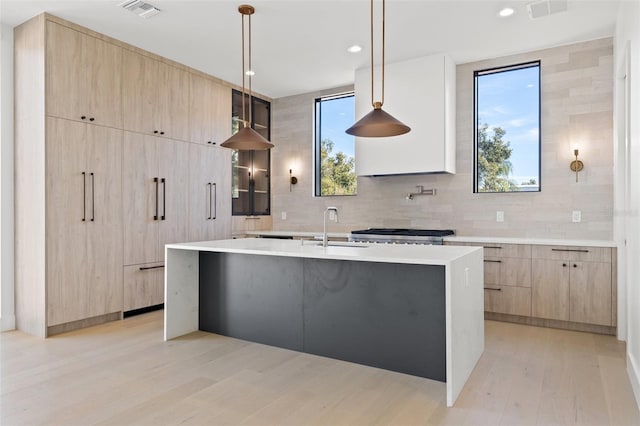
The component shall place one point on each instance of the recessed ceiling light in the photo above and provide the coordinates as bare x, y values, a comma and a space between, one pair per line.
354, 49
507, 11
250, 72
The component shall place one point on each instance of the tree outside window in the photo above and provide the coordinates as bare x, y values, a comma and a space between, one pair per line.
334, 149
507, 129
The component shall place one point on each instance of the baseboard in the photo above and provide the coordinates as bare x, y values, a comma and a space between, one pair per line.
634, 377
542, 322
77, 325
8, 322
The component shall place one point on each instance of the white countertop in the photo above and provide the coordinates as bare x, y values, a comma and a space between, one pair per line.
457, 238
535, 241
364, 252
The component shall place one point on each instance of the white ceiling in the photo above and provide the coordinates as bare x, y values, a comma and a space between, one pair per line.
300, 45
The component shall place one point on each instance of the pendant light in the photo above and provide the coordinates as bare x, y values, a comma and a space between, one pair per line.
247, 139
378, 123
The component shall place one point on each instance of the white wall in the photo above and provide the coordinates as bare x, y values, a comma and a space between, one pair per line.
577, 105
627, 213
7, 312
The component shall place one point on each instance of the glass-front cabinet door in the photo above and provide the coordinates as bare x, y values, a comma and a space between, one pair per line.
251, 190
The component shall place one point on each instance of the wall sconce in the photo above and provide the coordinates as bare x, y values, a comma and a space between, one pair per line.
292, 179
576, 165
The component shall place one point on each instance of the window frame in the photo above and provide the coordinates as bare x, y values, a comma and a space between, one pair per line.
317, 142
498, 70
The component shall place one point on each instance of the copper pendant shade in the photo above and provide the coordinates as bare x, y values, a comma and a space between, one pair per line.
378, 123
246, 139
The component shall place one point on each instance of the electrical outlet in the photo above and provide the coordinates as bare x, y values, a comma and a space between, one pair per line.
499, 216
284, 215
576, 217
332, 215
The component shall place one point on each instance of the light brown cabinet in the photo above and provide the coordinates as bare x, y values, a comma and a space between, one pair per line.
155, 192
83, 221
563, 286
507, 275
573, 284
507, 300
209, 211
86, 155
210, 109
550, 289
143, 286
156, 97
83, 77
507, 278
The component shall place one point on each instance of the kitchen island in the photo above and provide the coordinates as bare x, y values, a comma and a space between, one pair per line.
408, 308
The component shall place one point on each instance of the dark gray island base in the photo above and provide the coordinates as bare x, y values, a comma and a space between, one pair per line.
385, 315
410, 308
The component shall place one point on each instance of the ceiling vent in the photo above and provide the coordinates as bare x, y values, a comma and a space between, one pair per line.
540, 9
140, 8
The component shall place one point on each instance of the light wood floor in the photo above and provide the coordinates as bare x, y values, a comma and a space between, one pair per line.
123, 373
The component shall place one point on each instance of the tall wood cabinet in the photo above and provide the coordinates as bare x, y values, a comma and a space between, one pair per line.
155, 189
83, 77
210, 170
110, 165
68, 179
156, 97
210, 109
83, 220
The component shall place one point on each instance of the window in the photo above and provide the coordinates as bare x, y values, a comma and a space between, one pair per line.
335, 172
507, 128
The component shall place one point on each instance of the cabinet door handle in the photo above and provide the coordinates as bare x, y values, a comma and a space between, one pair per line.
155, 217
575, 266
493, 289
493, 247
215, 201
564, 265
572, 250
144, 268
164, 198
209, 185
84, 117
493, 261
91, 119
93, 198
84, 196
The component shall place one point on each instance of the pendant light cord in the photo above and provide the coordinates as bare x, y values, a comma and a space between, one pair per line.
244, 117
250, 73
373, 104
383, 14
371, 50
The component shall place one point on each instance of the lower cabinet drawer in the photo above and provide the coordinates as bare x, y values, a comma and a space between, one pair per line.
507, 300
143, 286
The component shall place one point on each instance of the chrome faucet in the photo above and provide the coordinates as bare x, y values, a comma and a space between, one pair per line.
325, 239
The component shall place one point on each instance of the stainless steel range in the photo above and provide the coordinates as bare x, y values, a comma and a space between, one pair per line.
400, 236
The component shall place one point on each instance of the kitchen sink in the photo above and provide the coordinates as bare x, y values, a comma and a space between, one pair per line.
339, 244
